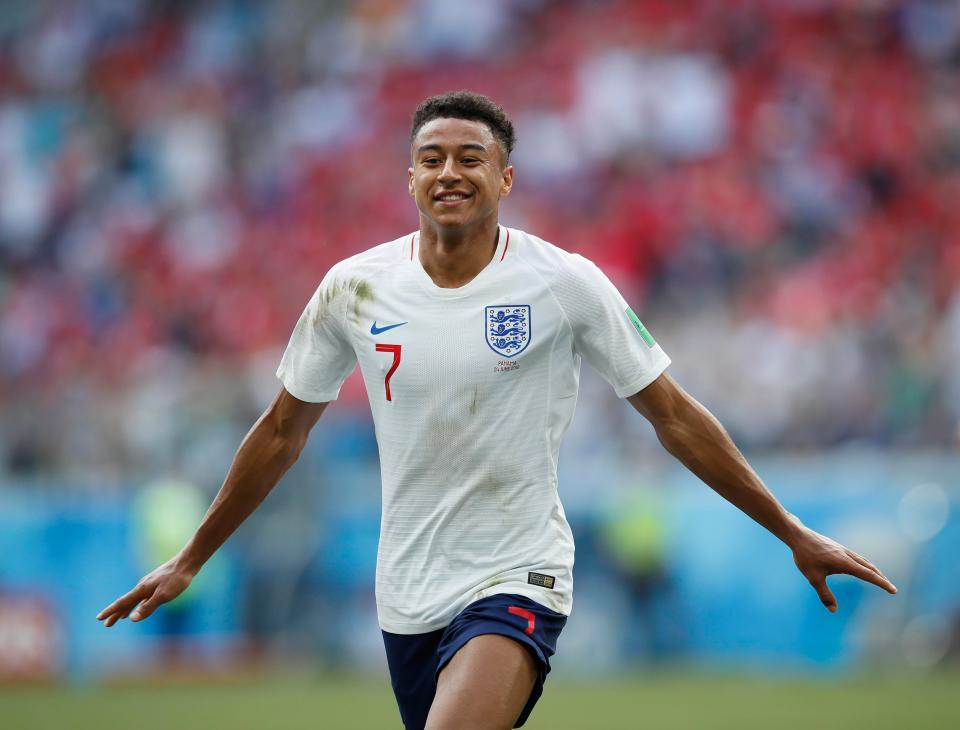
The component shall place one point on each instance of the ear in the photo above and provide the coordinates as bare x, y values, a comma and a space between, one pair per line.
410, 181
506, 184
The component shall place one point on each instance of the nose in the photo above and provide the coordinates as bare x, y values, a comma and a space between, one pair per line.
449, 172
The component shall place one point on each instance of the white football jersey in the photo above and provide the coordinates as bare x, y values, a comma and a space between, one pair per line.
472, 390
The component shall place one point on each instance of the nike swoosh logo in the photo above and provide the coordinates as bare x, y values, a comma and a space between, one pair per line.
374, 330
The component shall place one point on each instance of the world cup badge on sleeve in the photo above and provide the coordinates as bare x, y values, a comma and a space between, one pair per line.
508, 328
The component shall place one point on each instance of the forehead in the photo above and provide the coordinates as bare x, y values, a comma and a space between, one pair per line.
450, 132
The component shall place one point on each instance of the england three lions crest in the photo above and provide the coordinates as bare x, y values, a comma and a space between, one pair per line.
508, 328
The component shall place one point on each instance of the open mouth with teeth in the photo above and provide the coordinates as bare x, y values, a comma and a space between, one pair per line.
447, 199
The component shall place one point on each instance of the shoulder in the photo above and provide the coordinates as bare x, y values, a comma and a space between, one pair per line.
558, 267
352, 279
367, 264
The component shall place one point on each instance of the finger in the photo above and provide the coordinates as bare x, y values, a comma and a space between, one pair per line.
112, 608
130, 610
128, 600
870, 576
148, 606
121, 608
884, 583
117, 616
863, 561
108, 611
826, 596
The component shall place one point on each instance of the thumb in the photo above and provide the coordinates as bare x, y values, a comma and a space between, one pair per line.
826, 596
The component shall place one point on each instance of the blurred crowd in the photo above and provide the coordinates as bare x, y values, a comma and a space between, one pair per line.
773, 184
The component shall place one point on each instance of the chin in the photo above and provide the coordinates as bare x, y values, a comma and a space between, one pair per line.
451, 221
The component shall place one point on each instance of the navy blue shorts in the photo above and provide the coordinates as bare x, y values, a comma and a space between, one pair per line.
415, 660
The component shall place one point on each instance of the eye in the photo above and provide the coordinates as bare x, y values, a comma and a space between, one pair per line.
431, 160
470, 160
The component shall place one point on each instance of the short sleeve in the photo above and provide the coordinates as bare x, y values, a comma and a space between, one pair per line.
319, 356
606, 332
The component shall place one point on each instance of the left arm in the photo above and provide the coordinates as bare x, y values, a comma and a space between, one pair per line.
695, 437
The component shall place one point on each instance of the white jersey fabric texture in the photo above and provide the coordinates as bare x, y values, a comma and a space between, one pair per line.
471, 390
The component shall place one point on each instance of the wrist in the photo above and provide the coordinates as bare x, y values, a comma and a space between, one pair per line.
793, 531
185, 562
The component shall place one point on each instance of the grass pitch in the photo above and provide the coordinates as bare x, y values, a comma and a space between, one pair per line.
658, 702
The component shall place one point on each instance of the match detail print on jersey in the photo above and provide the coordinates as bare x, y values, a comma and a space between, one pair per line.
539, 579
644, 332
507, 328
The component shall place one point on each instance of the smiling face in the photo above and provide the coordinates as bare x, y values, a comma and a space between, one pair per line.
458, 174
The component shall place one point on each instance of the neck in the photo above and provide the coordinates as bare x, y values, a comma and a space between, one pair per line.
453, 257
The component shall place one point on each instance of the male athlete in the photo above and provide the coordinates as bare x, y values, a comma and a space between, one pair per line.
469, 336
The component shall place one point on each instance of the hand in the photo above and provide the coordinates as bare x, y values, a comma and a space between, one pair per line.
158, 587
817, 556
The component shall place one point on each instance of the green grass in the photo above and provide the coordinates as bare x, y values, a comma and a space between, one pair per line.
640, 701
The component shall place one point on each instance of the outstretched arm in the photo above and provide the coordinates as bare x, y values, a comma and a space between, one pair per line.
268, 450
691, 433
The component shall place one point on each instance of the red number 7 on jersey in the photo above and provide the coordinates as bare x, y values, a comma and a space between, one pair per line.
395, 349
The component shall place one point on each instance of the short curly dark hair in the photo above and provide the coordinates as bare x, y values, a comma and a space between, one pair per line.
470, 106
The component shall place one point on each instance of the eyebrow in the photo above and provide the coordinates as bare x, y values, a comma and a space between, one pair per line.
467, 146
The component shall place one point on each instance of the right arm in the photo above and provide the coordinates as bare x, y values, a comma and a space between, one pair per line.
268, 450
